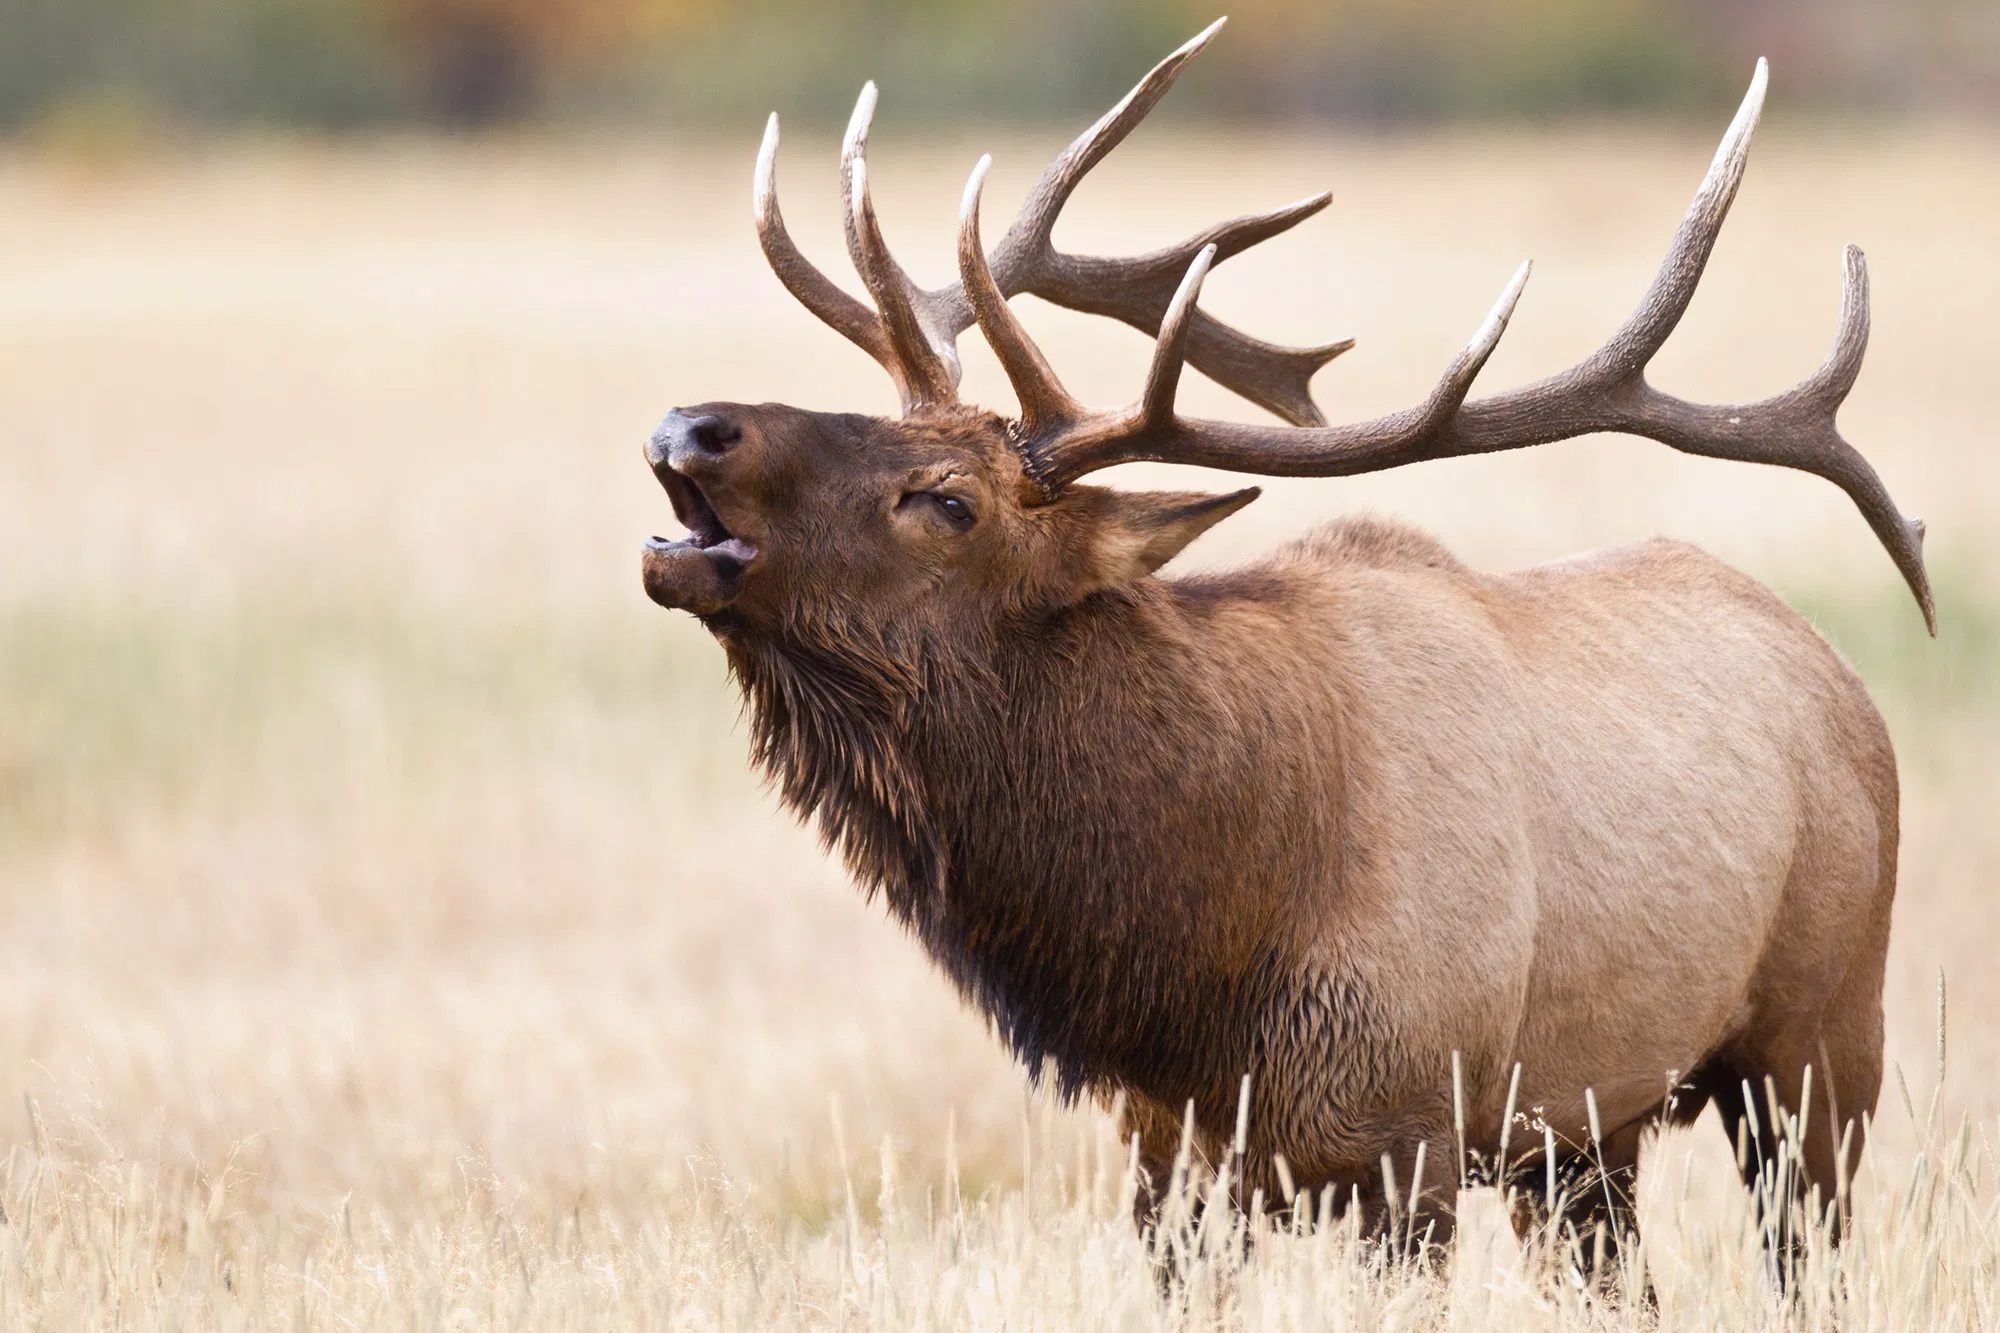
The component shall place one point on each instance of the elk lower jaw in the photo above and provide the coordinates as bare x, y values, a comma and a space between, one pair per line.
684, 575
702, 572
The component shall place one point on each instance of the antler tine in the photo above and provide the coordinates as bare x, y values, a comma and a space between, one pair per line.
1163, 376
853, 156
1037, 218
915, 334
853, 145
1074, 435
1137, 291
1445, 400
1606, 392
1834, 379
1803, 417
928, 377
1061, 457
1045, 404
812, 288
1628, 350
1233, 237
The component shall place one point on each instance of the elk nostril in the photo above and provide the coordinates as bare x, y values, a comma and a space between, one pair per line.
713, 435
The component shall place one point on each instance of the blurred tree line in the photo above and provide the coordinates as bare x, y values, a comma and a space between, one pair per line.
334, 64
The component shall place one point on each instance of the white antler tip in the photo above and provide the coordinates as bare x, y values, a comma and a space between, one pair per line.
1760, 81
1503, 309
1192, 45
968, 207
1189, 292
857, 124
1737, 141
767, 163
1488, 337
1174, 324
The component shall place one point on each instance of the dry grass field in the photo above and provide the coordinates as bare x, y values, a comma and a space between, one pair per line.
391, 934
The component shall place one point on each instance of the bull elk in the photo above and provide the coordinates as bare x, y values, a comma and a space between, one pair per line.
1616, 836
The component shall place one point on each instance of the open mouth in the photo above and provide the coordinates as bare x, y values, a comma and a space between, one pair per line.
702, 572
706, 532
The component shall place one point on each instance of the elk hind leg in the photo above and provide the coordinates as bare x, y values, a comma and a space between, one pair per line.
1797, 1116
1799, 1102
1593, 1214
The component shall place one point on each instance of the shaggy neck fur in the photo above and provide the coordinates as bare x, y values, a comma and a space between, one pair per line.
1040, 808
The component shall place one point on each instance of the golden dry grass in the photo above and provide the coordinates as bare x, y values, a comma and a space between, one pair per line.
390, 932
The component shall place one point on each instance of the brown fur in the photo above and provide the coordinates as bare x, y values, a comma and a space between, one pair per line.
1626, 819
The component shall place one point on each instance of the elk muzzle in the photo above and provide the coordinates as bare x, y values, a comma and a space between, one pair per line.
702, 572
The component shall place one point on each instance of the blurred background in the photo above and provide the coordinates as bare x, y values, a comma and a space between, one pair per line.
378, 865
71, 67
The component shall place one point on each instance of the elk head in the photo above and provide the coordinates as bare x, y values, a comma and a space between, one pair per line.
795, 517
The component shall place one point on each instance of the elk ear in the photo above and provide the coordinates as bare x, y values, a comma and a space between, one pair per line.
1138, 531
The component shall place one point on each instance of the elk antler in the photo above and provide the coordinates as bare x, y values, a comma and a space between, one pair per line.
1047, 410
1607, 391
915, 335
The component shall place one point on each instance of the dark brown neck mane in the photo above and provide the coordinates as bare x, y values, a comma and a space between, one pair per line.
1031, 808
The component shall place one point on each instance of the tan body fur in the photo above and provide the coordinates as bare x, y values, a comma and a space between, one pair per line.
1625, 819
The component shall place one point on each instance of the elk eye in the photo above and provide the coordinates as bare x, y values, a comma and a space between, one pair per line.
956, 511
